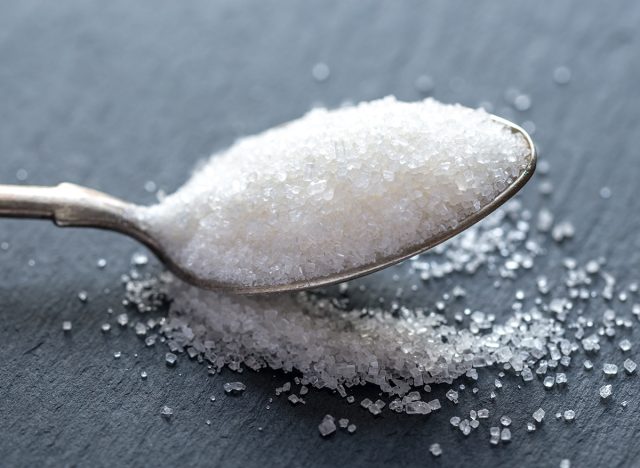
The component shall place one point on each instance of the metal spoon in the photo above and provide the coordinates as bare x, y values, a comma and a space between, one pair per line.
73, 205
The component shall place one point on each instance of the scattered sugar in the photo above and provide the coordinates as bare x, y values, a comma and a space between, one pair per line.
605, 391
605, 193
562, 75
122, 319
333, 344
630, 366
170, 359
337, 190
22, 174
234, 388
435, 450
538, 415
321, 72
610, 370
294, 399
150, 186
327, 426
625, 345
425, 84
522, 102
166, 411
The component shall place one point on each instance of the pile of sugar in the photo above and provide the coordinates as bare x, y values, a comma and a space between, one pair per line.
336, 190
333, 347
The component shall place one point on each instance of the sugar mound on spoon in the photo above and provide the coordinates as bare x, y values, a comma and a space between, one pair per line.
336, 190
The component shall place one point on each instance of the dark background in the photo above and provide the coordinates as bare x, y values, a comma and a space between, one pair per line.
113, 94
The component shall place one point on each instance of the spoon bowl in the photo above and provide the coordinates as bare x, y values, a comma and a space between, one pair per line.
70, 205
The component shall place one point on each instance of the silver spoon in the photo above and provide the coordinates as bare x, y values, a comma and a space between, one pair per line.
72, 205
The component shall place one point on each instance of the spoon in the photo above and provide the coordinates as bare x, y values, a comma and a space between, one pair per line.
72, 205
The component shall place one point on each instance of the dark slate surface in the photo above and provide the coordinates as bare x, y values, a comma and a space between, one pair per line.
112, 94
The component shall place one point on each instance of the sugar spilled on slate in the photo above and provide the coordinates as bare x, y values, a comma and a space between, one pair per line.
403, 351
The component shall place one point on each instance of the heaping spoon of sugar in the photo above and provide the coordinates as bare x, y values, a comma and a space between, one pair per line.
202, 248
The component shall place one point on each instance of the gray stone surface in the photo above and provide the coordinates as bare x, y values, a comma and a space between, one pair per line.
112, 94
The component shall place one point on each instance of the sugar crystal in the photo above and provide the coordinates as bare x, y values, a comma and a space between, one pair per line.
166, 412
630, 366
327, 426
562, 76
538, 415
605, 391
234, 388
435, 450
610, 369
170, 359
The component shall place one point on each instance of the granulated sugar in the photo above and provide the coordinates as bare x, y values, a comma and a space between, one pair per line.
331, 346
400, 348
336, 190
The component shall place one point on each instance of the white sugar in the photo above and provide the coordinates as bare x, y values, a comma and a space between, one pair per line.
605, 391
327, 426
630, 366
435, 450
235, 388
331, 346
538, 415
336, 190
610, 369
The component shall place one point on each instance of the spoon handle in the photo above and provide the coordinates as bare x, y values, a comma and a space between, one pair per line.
66, 205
